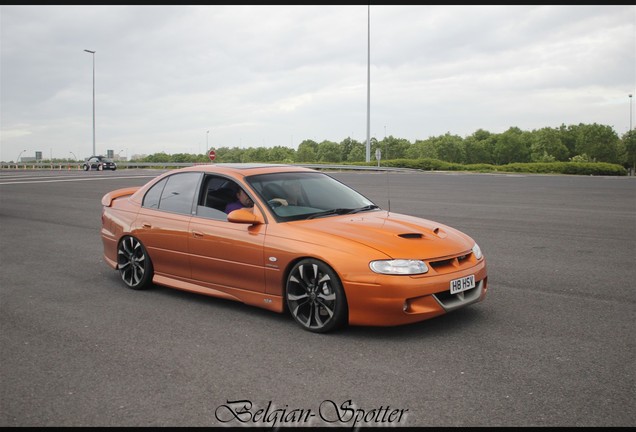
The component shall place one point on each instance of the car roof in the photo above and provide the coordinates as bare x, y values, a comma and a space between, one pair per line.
233, 170
246, 169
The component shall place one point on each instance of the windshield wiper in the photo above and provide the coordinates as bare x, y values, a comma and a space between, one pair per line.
342, 211
336, 211
365, 208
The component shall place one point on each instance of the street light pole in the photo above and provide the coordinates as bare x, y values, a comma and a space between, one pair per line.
630, 112
93, 53
368, 149
20, 155
207, 146
74, 157
386, 145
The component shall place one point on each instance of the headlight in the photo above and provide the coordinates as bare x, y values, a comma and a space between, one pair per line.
399, 267
477, 251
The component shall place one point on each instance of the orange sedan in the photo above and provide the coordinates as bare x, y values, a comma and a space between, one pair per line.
289, 239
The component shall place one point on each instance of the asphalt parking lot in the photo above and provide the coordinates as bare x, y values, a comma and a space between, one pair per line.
552, 345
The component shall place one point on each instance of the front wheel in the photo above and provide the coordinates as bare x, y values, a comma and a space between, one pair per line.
134, 263
315, 297
85, 167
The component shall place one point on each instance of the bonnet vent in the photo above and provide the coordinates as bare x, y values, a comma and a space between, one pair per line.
411, 235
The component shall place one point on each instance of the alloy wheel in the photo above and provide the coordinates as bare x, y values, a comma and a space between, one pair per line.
315, 297
133, 263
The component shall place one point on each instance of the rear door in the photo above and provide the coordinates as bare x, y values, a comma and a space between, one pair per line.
162, 222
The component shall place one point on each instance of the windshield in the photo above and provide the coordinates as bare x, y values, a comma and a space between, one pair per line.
306, 195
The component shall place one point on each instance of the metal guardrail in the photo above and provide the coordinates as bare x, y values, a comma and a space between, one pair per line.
167, 165
39, 166
78, 165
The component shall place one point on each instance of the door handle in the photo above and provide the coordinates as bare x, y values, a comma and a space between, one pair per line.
146, 225
197, 234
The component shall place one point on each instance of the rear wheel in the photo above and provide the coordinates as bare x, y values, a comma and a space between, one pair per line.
134, 263
86, 167
315, 297
100, 167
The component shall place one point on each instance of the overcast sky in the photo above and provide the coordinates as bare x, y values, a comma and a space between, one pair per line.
277, 75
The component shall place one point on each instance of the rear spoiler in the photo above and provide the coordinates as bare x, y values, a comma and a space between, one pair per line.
107, 199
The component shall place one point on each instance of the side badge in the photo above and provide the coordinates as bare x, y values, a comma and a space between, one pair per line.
273, 261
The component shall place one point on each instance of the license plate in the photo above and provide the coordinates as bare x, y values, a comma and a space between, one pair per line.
462, 284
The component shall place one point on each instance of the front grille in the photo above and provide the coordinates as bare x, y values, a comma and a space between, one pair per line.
443, 263
451, 264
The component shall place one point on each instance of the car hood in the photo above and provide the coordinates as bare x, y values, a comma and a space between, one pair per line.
394, 234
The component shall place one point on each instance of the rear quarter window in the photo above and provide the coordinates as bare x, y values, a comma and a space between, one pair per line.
152, 197
178, 194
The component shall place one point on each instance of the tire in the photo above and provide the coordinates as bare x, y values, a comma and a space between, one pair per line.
100, 167
134, 264
86, 168
315, 297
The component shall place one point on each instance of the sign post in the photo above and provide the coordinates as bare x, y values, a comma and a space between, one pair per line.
378, 155
212, 155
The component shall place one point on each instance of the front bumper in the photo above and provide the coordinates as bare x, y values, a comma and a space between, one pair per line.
397, 300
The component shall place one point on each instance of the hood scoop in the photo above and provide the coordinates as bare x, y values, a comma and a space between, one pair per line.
416, 235
411, 235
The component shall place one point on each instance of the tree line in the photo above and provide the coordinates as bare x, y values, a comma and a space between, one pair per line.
578, 143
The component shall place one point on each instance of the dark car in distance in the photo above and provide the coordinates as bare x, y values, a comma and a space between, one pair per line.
99, 163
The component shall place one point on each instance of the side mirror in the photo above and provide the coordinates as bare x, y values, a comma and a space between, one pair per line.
245, 216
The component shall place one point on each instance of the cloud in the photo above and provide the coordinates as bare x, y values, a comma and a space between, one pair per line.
276, 75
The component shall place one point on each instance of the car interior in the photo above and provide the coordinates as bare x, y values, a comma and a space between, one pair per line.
215, 194
273, 190
219, 198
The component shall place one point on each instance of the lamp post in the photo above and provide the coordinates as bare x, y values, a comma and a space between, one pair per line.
19, 156
368, 149
630, 112
74, 157
207, 146
386, 145
93, 53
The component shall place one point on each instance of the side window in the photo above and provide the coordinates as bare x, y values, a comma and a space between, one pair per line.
178, 193
151, 200
216, 193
